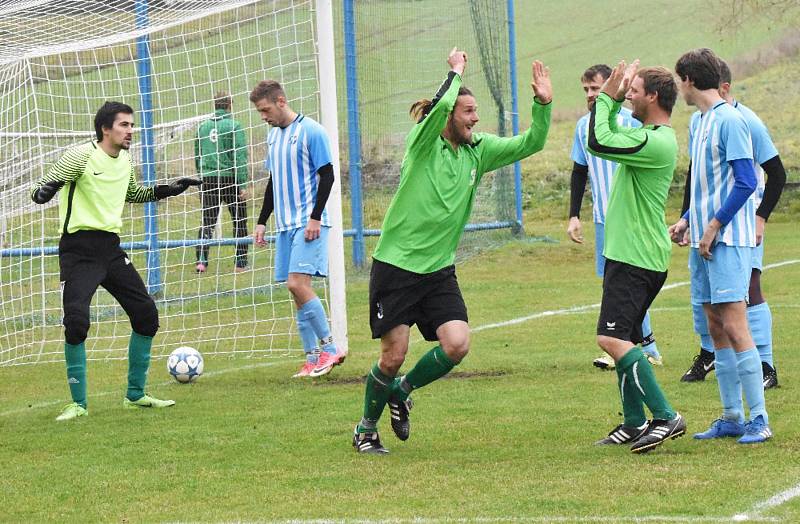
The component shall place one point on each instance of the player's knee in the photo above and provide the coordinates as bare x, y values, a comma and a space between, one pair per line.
297, 286
456, 348
76, 327
145, 319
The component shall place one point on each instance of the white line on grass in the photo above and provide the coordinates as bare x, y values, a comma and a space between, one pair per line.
551, 518
207, 375
772, 502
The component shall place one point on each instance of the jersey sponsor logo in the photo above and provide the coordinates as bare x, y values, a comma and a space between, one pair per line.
611, 326
95, 173
380, 310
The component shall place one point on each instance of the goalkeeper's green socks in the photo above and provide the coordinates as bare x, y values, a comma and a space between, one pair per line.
433, 365
632, 405
639, 372
375, 397
75, 355
138, 364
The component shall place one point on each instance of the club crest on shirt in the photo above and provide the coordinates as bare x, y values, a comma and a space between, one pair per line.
472, 175
293, 139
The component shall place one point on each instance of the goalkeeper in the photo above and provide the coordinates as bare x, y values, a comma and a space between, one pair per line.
98, 179
413, 279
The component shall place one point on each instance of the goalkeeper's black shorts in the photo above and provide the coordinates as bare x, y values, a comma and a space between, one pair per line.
397, 297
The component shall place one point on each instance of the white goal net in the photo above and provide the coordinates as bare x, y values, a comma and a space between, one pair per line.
60, 61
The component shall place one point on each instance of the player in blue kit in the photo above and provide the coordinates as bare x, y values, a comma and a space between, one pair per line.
771, 179
600, 173
722, 233
300, 164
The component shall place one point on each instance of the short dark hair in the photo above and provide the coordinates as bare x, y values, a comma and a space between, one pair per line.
700, 66
107, 114
660, 81
222, 100
597, 69
724, 72
269, 89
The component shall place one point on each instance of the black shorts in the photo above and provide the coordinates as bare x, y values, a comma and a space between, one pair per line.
628, 292
397, 296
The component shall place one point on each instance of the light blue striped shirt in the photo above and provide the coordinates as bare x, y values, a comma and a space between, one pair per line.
715, 139
601, 172
763, 147
294, 155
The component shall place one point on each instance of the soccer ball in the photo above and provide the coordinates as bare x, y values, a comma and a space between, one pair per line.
185, 364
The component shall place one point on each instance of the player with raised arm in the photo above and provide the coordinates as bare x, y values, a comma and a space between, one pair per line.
600, 173
413, 279
301, 177
637, 246
771, 178
98, 179
722, 231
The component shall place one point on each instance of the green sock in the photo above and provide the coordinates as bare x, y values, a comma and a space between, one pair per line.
375, 396
75, 355
433, 364
644, 384
632, 405
138, 364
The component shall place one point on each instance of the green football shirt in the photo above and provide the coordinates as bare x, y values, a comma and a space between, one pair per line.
96, 187
635, 229
427, 215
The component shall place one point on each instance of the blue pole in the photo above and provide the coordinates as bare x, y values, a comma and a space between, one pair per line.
353, 132
143, 74
512, 58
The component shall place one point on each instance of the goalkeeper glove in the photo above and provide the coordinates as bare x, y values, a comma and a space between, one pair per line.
48, 190
175, 188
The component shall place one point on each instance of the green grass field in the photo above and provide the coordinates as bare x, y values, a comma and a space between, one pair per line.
506, 437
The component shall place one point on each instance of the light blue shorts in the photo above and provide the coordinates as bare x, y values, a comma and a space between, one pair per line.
758, 257
293, 254
599, 240
724, 278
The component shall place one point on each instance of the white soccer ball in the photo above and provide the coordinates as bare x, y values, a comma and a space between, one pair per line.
185, 364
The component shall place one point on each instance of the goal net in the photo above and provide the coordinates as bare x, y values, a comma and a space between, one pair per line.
60, 60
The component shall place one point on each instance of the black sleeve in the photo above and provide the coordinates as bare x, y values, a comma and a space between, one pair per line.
577, 186
776, 179
323, 190
687, 191
440, 93
268, 205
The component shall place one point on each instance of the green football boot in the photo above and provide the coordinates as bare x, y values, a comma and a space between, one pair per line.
72, 411
147, 402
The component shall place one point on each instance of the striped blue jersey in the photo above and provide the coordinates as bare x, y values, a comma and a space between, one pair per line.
294, 155
716, 138
601, 172
763, 147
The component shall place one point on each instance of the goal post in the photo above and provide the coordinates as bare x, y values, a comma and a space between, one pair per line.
166, 59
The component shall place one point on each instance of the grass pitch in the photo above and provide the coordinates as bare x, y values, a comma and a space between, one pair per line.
507, 436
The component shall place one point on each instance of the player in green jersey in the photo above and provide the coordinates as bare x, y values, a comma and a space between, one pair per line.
413, 278
637, 246
220, 157
98, 179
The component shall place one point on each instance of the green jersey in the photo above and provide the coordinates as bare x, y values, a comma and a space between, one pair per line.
635, 230
220, 148
96, 187
427, 215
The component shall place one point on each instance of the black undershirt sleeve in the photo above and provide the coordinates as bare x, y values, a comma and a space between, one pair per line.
687, 193
577, 186
268, 205
776, 179
323, 190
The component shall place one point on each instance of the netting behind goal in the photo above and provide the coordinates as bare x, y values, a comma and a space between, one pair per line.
399, 49
59, 61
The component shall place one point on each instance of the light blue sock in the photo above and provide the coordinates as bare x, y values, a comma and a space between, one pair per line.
760, 319
748, 365
315, 315
308, 337
647, 332
730, 389
701, 328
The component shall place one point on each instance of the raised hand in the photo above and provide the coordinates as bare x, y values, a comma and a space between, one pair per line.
175, 188
542, 88
457, 60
